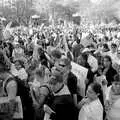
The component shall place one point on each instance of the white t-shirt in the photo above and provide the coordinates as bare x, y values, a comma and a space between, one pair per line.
91, 111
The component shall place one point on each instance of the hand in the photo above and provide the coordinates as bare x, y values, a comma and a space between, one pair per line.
108, 105
48, 109
86, 81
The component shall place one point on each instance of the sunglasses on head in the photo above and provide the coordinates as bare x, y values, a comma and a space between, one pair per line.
62, 65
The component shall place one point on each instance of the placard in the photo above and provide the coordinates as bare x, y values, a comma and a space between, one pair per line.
81, 74
7, 107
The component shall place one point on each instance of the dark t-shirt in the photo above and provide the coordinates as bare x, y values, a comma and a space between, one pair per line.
72, 83
64, 108
110, 75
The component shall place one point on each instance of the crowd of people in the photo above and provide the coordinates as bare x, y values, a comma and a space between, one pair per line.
36, 78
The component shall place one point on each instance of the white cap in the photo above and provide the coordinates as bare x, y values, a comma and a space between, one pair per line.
86, 50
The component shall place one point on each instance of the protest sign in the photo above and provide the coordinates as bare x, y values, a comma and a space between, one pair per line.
81, 74
15, 107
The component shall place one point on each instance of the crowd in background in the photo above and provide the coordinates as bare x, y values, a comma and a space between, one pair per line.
35, 66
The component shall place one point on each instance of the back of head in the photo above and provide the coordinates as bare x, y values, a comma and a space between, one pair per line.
56, 53
116, 78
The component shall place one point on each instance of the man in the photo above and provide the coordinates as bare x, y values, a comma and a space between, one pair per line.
64, 66
62, 107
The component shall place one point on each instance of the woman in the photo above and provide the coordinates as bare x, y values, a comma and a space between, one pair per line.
92, 105
63, 107
113, 100
10, 101
18, 52
108, 70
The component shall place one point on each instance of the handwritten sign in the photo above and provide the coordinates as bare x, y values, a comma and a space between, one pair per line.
7, 107
81, 74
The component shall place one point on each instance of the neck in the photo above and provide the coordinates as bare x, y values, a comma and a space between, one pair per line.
59, 89
92, 99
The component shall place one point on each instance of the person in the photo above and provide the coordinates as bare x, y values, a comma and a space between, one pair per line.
18, 69
112, 103
92, 105
18, 52
64, 66
108, 70
82, 60
92, 61
41, 94
62, 104
113, 52
8, 95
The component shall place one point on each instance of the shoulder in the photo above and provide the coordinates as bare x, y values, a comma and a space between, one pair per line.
44, 89
113, 71
72, 76
12, 83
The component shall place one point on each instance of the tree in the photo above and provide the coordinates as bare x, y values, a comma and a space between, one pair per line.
19, 10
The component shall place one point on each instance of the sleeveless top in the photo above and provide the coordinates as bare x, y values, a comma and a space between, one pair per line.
6, 107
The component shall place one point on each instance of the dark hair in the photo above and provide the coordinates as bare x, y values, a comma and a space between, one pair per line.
114, 45
97, 88
108, 58
106, 46
56, 54
106, 38
116, 78
20, 62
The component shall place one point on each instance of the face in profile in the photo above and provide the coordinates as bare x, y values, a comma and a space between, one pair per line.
91, 93
116, 87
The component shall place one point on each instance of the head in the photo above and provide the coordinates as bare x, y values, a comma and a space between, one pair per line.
55, 55
19, 64
113, 48
94, 91
56, 82
82, 59
40, 74
17, 45
116, 84
86, 51
107, 62
118, 53
105, 48
64, 66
